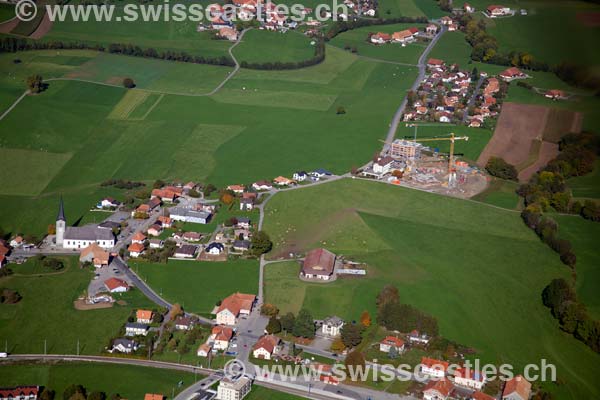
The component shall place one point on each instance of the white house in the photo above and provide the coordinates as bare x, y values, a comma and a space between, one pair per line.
135, 250
220, 337
332, 326
115, 285
246, 204
438, 389
238, 304
433, 367
498, 11
184, 324
204, 350
469, 378
265, 347
144, 316
262, 185
388, 342
233, 389
135, 329
383, 165
300, 176
214, 248
108, 202
125, 346
518, 388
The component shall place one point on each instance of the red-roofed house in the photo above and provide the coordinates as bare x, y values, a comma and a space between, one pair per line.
481, 396
438, 389
166, 222
115, 285
3, 261
135, 250
433, 367
380, 38
498, 11
20, 393
513, 73
237, 189
143, 316
435, 63
139, 237
318, 264
556, 94
265, 347
154, 396
233, 306
470, 378
518, 388
388, 342
405, 36
220, 337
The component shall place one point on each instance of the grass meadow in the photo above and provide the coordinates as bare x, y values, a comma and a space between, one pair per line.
129, 381
468, 264
78, 134
261, 46
46, 312
197, 286
587, 186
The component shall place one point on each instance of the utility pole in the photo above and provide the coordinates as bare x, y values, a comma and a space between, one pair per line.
44, 346
77, 346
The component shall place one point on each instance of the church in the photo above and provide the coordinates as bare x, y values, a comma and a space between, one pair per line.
74, 237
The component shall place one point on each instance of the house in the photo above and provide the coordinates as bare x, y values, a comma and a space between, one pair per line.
189, 186
332, 326
228, 33
383, 165
156, 243
243, 222
108, 202
405, 36
476, 122
494, 11
214, 248
123, 345
136, 329
155, 230
446, 20
320, 173
493, 86
241, 245
438, 389
115, 285
191, 236
96, 255
405, 149
452, 27
138, 238
262, 185
469, 378
433, 367
184, 324
246, 204
153, 396
186, 214
204, 350
233, 389
265, 347
481, 396
445, 117
553, 94
380, 38
233, 306
220, 337
17, 241
513, 73
165, 222
435, 63
282, 181
389, 342
75, 237
19, 393
168, 194
431, 29
144, 316
468, 8
300, 176
242, 234
416, 337
518, 388
318, 264
237, 189
185, 251
136, 249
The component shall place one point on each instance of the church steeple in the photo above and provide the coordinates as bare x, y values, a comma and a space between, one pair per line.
61, 211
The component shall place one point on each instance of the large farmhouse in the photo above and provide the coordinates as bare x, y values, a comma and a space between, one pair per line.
318, 264
75, 237
233, 306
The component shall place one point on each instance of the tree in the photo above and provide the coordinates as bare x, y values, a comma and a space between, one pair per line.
355, 359
97, 396
393, 353
78, 396
261, 243
175, 312
274, 326
287, 322
269, 310
71, 390
365, 319
35, 84
227, 198
47, 394
499, 168
351, 334
304, 326
51, 229
340, 110
128, 83
208, 189
338, 346
193, 193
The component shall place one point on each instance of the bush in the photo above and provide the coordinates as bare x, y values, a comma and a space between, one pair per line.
499, 168
128, 83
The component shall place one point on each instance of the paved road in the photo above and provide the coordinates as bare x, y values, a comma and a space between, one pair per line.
473, 98
5, 113
422, 65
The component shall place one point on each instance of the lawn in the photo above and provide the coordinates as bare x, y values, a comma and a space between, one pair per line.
46, 312
262, 393
587, 186
500, 193
197, 286
7, 11
129, 381
401, 8
262, 46
359, 39
477, 259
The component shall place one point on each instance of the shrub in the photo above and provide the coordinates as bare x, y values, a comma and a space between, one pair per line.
499, 168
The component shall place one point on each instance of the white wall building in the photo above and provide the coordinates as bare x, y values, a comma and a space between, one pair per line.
233, 390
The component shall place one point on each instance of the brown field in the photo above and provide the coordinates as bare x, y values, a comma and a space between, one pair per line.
520, 130
43, 28
9, 25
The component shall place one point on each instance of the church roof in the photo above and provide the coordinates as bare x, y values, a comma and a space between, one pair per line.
61, 211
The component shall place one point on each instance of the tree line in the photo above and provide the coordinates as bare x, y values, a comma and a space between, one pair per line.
395, 316
560, 297
317, 58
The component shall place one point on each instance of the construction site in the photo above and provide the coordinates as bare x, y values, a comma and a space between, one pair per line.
417, 165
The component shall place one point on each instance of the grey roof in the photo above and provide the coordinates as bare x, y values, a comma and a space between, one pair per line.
244, 244
61, 211
243, 219
127, 343
109, 225
187, 249
88, 232
333, 320
136, 325
186, 212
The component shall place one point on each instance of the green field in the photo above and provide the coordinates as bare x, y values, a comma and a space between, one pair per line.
100, 132
500, 193
129, 381
261, 46
359, 39
197, 286
400, 8
587, 186
46, 312
468, 264
7, 11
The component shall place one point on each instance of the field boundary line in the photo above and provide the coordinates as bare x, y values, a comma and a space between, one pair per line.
153, 106
9, 109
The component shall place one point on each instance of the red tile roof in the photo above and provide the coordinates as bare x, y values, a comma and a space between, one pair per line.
442, 386
393, 341
113, 283
319, 262
223, 333
237, 302
518, 385
433, 363
18, 391
267, 342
